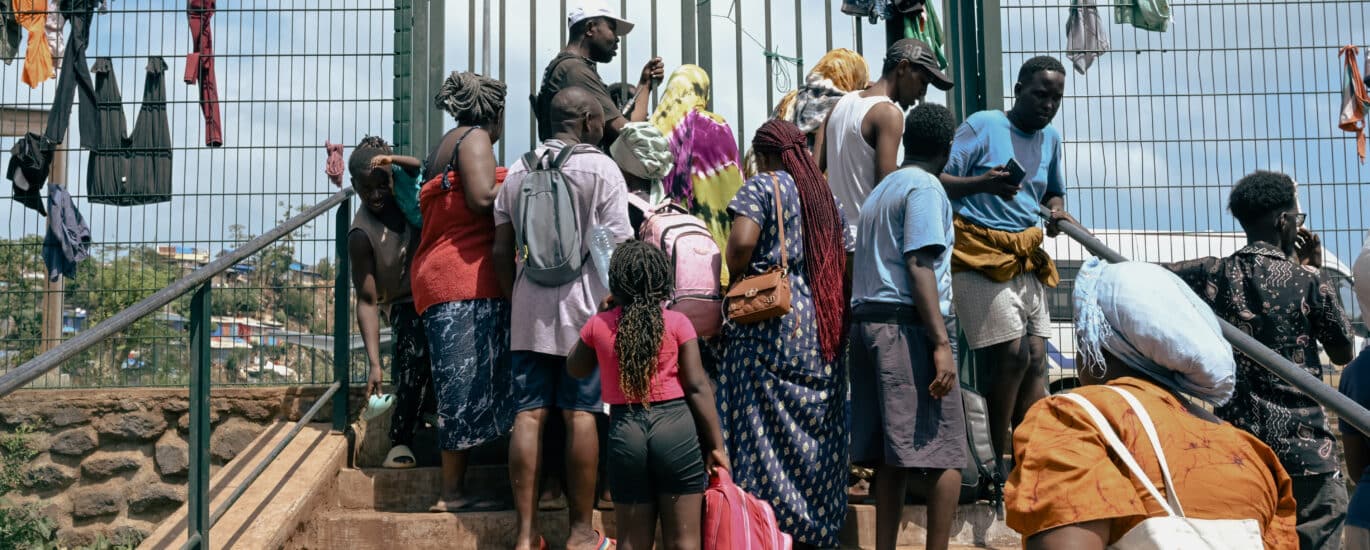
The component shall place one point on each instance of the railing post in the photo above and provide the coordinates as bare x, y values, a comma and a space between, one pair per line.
197, 518
342, 313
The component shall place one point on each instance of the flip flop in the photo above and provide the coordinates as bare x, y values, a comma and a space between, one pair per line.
395, 459
542, 543
469, 506
605, 543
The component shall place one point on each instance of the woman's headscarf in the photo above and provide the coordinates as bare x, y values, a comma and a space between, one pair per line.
642, 151
838, 73
825, 257
706, 175
1149, 319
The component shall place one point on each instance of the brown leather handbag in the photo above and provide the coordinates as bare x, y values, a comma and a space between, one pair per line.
765, 296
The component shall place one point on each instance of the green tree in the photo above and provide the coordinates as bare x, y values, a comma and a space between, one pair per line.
22, 284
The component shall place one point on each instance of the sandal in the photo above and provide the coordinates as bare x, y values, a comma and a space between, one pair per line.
399, 458
605, 543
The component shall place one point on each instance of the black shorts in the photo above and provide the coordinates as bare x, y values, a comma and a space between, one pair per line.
653, 452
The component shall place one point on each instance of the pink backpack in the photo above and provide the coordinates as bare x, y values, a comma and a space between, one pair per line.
696, 258
735, 520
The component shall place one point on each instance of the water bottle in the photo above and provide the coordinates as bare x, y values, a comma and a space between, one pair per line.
601, 248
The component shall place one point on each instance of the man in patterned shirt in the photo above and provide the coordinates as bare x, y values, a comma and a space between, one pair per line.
1271, 289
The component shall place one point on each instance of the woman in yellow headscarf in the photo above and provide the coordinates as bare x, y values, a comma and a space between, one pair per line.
838, 73
706, 173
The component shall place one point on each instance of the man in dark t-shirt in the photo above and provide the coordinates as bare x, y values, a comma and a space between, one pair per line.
594, 38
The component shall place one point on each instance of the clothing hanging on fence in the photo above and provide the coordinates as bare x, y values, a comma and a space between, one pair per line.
32, 15
1148, 15
1086, 39
10, 32
28, 169
77, 76
1355, 102
134, 169
333, 166
52, 28
200, 68
929, 30
67, 242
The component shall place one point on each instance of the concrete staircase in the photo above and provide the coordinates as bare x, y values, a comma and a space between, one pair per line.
377, 508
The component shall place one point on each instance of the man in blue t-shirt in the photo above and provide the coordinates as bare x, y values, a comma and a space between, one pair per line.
906, 404
999, 270
1355, 383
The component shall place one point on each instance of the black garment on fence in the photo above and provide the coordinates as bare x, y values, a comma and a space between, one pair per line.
28, 169
75, 75
133, 169
67, 242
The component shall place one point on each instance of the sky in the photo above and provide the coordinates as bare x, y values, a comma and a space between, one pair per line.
1156, 131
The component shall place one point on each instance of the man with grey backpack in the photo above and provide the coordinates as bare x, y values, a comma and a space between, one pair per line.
551, 200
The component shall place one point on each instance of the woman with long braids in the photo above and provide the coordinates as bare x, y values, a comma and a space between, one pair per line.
782, 392
455, 289
663, 432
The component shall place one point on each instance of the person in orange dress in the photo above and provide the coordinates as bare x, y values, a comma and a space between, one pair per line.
1142, 330
32, 15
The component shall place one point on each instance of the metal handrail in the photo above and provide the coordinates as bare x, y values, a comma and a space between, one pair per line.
48, 360
198, 519
1346, 408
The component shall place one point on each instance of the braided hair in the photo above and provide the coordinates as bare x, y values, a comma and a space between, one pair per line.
825, 257
471, 99
359, 162
641, 279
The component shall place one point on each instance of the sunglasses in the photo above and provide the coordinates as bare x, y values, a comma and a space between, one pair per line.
1299, 218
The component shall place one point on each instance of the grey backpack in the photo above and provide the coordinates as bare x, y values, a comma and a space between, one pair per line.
547, 230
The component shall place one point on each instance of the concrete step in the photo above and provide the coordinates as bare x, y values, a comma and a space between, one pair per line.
474, 531
399, 500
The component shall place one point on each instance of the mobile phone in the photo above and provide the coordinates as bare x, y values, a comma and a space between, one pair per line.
1015, 171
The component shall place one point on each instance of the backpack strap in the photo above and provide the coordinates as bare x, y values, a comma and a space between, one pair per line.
452, 162
565, 154
1150, 428
1106, 431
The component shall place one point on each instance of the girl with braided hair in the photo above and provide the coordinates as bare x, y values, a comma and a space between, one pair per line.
455, 288
782, 390
664, 433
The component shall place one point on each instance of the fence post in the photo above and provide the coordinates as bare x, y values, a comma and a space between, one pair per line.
197, 517
342, 313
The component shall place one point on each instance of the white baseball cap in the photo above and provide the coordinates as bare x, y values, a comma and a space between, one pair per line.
589, 9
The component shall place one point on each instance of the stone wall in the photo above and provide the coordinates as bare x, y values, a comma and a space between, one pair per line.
114, 463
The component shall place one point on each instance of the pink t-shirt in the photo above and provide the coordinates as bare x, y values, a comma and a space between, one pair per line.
600, 334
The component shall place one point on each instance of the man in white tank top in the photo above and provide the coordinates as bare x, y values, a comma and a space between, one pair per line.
864, 129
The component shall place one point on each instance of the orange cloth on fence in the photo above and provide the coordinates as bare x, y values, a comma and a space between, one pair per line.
1002, 255
32, 15
1354, 100
1066, 474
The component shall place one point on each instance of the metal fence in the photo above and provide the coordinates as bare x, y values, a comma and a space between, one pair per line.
290, 75
1163, 124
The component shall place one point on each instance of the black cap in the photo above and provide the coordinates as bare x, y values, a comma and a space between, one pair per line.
920, 54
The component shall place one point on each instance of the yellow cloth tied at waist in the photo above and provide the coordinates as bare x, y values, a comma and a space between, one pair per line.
1002, 255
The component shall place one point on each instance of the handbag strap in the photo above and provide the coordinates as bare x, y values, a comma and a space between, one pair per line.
780, 224
1145, 419
1111, 437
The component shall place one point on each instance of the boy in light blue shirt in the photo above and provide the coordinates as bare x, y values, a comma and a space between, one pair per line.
907, 418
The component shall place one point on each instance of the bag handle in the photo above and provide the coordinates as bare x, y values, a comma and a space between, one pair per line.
1120, 449
780, 224
452, 162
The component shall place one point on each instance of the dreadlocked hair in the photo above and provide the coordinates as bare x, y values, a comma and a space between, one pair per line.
825, 257
641, 277
359, 162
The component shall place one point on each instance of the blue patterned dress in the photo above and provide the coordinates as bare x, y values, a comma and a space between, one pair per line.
783, 407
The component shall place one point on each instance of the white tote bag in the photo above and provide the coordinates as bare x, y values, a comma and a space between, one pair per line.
1172, 531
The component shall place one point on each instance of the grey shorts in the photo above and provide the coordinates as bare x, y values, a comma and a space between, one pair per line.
894, 418
654, 451
993, 313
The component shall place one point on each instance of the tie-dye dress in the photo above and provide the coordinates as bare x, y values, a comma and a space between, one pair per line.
783, 408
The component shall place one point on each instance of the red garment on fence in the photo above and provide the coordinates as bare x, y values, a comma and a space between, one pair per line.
200, 67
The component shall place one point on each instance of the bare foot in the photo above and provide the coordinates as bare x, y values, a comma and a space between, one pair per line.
583, 539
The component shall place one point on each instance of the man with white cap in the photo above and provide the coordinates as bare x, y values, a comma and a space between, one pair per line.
1355, 383
594, 37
